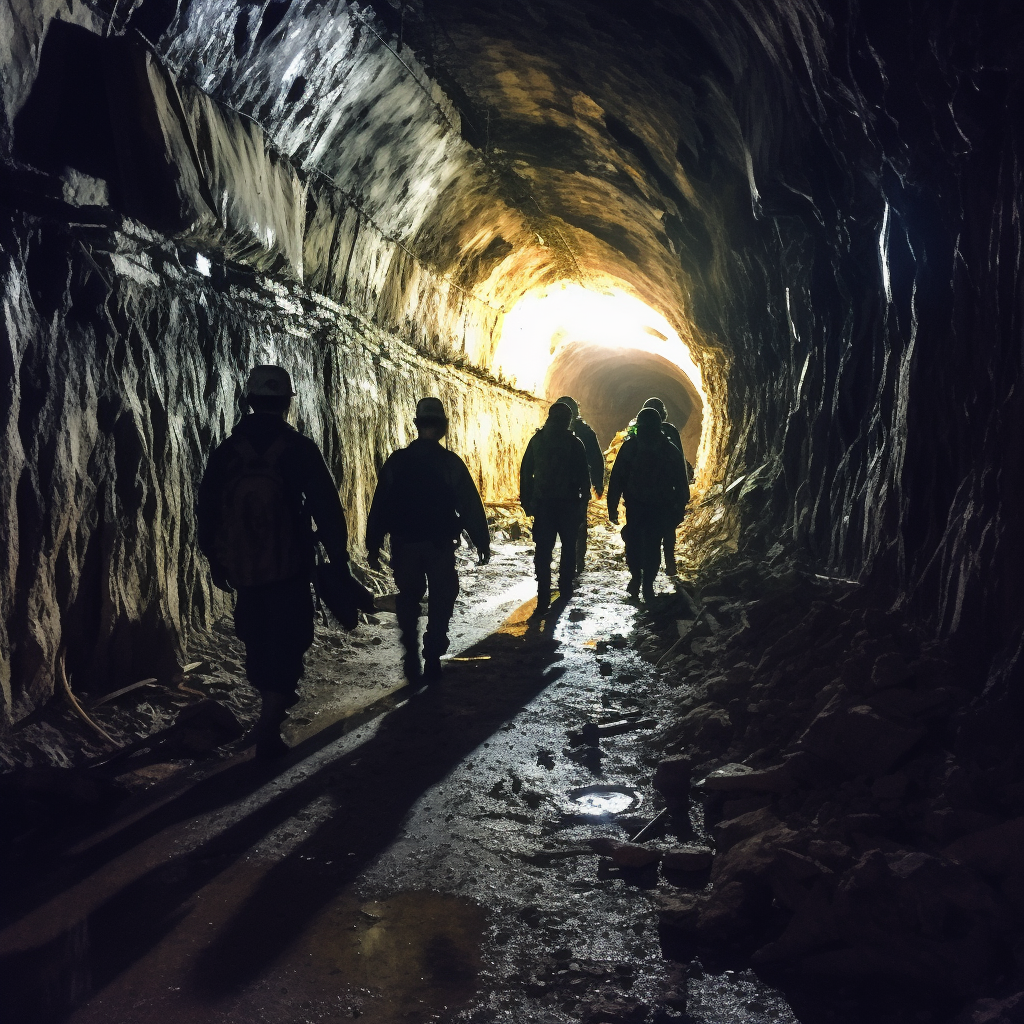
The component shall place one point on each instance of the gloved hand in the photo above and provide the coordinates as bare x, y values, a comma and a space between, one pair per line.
485, 556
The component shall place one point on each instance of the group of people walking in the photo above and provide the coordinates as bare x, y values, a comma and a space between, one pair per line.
266, 485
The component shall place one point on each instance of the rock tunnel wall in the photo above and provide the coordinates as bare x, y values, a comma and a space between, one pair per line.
123, 368
131, 316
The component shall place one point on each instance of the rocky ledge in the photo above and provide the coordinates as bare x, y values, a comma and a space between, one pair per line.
862, 787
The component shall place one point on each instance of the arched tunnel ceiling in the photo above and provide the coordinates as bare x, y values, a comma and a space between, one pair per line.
604, 141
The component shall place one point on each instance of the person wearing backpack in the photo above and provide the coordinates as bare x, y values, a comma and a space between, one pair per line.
649, 472
595, 460
425, 497
554, 488
671, 431
261, 487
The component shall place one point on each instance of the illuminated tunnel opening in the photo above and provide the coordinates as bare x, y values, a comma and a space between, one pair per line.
607, 349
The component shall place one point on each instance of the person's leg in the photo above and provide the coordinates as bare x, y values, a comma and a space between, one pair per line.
629, 540
669, 543
442, 592
275, 622
544, 533
411, 580
581, 546
651, 536
568, 527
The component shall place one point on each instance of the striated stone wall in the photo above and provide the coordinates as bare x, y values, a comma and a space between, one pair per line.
122, 366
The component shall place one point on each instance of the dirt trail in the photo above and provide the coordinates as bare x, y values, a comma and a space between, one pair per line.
426, 865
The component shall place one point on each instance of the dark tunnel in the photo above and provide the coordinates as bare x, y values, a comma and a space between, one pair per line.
612, 384
811, 211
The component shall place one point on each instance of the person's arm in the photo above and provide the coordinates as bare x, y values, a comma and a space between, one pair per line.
208, 507
682, 498
470, 508
617, 481
672, 433
526, 479
581, 473
595, 457
377, 521
324, 505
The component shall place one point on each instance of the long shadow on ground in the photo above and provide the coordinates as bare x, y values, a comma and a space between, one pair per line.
414, 748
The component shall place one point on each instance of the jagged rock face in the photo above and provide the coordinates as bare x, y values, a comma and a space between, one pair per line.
117, 387
822, 201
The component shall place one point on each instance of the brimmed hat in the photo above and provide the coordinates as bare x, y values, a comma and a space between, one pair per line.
269, 382
430, 409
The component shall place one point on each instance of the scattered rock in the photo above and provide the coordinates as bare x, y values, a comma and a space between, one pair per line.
858, 739
994, 851
688, 858
672, 780
728, 833
731, 778
707, 725
996, 1011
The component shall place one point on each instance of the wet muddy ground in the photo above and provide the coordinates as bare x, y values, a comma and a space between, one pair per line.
417, 857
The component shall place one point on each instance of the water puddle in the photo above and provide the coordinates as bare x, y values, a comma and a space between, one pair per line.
601, 801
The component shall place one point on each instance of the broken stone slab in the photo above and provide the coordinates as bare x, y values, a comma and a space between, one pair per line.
1009, 1010
857, 739
672, 780
732, 778
707, 724
993, 851
688, 858
625, 855
728, 833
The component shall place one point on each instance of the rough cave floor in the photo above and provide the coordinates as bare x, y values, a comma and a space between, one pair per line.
423, 866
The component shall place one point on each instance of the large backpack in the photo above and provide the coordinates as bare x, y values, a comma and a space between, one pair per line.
552, 468
259, 540
650, 480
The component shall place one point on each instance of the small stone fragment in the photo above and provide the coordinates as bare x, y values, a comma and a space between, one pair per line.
688, 858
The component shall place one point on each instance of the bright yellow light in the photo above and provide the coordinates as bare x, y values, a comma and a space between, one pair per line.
542, 322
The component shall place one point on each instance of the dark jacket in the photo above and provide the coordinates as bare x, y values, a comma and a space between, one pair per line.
554, 474
307, 479
595, 456
425, 493
650, 473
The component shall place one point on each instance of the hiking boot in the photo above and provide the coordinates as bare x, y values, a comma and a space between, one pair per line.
633, 587
543, 603
432, 671
649, 594
565, 589
411, 669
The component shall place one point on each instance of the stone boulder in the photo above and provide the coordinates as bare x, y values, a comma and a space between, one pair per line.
687, 858
626, 855
735, 778
672, 780
708, 725
857, 739
728, 833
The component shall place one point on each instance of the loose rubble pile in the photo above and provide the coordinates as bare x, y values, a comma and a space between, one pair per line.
865, 803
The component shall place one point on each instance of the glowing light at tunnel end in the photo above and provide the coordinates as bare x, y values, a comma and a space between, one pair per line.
546, 319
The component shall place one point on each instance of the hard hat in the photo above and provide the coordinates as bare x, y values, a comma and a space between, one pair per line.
430, 409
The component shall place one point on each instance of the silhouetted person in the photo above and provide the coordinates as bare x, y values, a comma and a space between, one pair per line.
595, 461
259, 490
672, 434
650, 474
554, 488
424, 499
